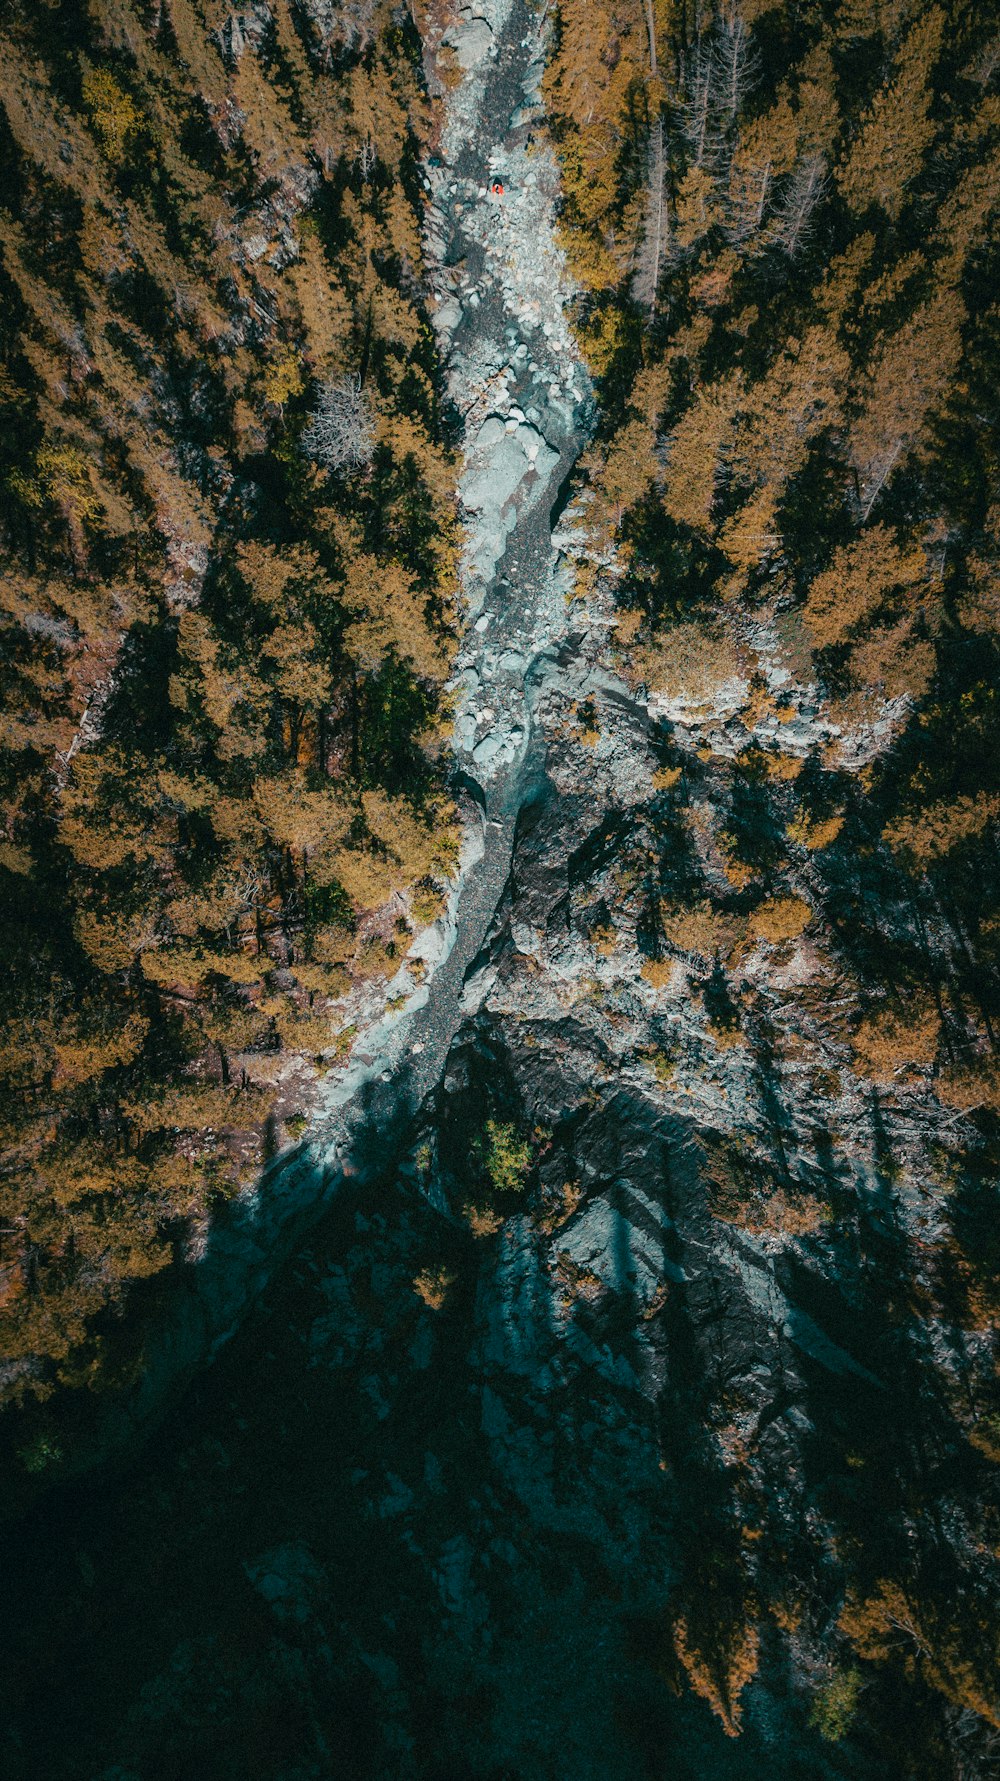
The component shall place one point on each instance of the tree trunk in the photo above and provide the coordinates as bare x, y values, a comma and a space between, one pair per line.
647, 278
651, 28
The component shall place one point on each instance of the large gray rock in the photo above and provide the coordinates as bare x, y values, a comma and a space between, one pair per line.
621, 1238
493, 486
490, 433
471, 39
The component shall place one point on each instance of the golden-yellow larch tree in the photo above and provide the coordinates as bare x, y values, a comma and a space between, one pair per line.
897, 129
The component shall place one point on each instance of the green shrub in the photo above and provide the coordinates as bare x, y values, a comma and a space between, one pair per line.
41, 1452
833, 1711
504, 1156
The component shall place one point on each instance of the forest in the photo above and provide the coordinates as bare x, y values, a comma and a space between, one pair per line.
780, 221
228, 606
733, 1002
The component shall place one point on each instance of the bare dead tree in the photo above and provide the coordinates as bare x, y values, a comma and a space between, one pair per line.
651, 28
733, 66
986, 63
646, 279
876, 474
697, 115
721, 74
795, 213
341, 430
342, 24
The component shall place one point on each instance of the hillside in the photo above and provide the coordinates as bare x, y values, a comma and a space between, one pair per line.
228, 608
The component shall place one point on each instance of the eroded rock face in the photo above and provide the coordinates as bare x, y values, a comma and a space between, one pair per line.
721, 1228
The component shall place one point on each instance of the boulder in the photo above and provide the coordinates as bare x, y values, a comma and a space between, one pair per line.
471, 39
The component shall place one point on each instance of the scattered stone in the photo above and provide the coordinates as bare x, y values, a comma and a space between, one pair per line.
447, 317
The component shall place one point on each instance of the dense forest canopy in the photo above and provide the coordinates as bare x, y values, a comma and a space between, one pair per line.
226, 623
